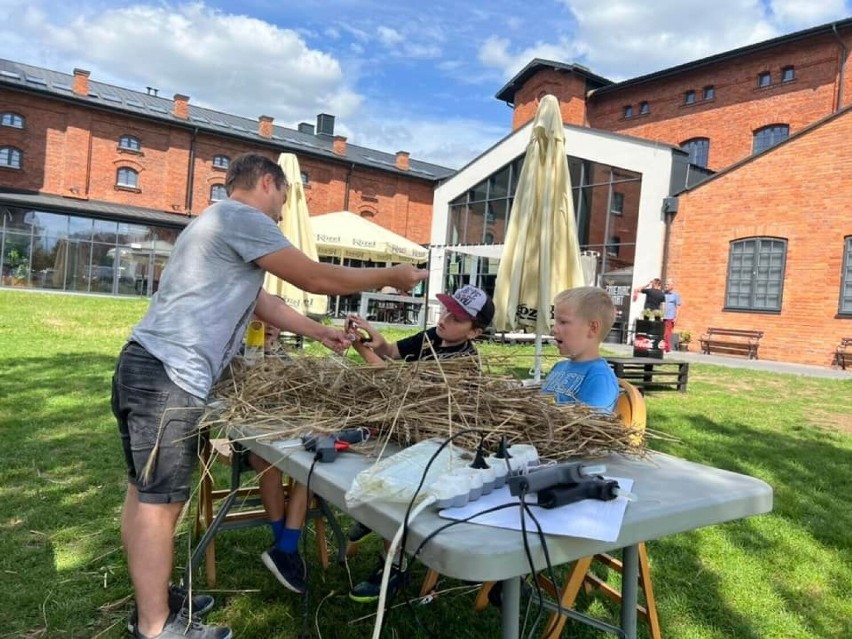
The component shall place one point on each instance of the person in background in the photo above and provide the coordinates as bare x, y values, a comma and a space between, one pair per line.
672, 306
193, 327
654, 296
582, 318
466, 314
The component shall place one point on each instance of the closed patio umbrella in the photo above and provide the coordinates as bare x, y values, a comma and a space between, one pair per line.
295, 224
541, 256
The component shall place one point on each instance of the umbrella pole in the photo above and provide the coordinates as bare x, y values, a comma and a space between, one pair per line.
426, 289
537, 368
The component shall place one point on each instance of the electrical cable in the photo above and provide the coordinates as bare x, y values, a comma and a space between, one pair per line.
528, 553
306, 596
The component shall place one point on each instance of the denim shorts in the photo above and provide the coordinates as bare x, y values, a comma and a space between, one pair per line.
158, 424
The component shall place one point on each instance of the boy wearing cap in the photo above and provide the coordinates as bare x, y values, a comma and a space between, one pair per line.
466, 314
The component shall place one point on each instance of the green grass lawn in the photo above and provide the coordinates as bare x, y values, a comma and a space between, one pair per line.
62, 572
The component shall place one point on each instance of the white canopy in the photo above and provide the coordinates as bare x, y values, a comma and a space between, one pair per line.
345, 234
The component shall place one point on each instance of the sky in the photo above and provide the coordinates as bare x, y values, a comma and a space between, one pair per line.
404, 75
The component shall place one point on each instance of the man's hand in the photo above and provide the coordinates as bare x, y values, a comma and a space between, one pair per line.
334, 339
405, 277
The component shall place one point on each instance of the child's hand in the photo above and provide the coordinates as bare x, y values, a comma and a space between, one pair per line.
356, 326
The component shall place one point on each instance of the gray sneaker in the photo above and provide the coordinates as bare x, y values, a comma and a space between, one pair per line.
178, 599
182, 626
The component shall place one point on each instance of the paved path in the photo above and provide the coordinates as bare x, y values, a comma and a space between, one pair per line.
626, 350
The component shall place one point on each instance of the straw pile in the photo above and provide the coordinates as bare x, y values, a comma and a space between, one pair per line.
409, 402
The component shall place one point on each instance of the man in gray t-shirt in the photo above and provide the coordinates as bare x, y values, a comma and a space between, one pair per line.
209, 290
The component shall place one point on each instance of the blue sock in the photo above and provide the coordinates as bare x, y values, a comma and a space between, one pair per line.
289, 540
277, 529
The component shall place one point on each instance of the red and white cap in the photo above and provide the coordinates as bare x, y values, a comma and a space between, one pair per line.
470, 302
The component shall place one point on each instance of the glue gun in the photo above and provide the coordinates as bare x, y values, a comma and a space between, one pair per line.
326, 447
550, 476
592, 488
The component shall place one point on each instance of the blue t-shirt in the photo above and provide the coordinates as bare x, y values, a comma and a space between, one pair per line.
592, 383
672, 302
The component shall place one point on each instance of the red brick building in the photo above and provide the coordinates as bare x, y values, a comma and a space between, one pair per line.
91, 163
766, 243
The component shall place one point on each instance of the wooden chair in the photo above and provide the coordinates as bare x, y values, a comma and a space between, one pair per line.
630, 407
242, 504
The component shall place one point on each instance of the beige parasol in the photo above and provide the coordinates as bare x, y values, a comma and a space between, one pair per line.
295, 224
541, 256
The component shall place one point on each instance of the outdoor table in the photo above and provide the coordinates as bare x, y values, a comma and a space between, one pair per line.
649, 373
674, 495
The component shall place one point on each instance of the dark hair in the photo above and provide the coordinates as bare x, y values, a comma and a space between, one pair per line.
245, 170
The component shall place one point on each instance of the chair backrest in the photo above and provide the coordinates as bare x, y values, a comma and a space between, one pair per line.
630, 406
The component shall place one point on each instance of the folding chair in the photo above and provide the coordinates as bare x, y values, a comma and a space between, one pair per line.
239, 507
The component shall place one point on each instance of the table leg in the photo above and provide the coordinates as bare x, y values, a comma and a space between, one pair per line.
511, 608
629, 590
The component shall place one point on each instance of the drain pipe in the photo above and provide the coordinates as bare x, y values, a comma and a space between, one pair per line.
190, 174
348, 184
844, 52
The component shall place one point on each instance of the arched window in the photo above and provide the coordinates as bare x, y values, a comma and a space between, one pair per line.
128, 178
221, 162
129, 143
846, 278
769, 136
10, 157
756, 274
12, 120
217, 192
698, 149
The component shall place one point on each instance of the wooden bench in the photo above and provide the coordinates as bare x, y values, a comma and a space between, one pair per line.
843, 352
731, 341
650, 374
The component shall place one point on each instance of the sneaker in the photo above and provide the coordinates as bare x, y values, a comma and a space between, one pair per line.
358, 532
368, 591
181, 626
201, 605
288, 568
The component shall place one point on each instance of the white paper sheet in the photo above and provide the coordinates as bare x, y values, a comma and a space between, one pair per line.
590, 518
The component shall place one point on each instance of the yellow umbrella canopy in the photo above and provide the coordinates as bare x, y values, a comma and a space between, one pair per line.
295, 224
541, 256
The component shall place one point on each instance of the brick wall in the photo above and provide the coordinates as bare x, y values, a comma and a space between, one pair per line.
569, 88
72, 151
799, 191
739, 106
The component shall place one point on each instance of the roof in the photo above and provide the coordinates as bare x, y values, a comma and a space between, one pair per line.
94, 208
106, 96
824, 29
507, 93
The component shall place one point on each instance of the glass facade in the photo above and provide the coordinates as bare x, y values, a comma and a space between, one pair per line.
606, 206
46, 250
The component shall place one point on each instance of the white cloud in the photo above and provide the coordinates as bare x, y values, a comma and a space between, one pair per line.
389, 37
797, 14
494, 52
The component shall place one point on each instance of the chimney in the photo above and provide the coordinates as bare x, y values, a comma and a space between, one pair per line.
325, 124
81, 82
304, 127
264, 126
402, 160
339, 146
181, 109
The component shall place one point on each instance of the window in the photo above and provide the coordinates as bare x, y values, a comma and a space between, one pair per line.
127, 178
756, 274
709, 92
217, 192
788, 74
221, 162
628, 111
617, 205
644, 108
306, 179
698, 149
10, 157
689, 97
764, 79
12, 120
129, 143
613, 246
769, 136
846, 279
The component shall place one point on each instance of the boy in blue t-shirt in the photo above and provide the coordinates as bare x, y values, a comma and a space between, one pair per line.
582, 318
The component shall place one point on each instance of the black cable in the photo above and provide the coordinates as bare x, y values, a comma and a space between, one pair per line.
548, 564
528, 553
306, 596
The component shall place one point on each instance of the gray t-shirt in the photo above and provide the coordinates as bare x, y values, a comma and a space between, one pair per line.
207, 294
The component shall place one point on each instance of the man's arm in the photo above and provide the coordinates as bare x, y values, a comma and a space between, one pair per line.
293, 266
274, 310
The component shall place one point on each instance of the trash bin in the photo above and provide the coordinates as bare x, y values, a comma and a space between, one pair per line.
648, 340
616, 334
